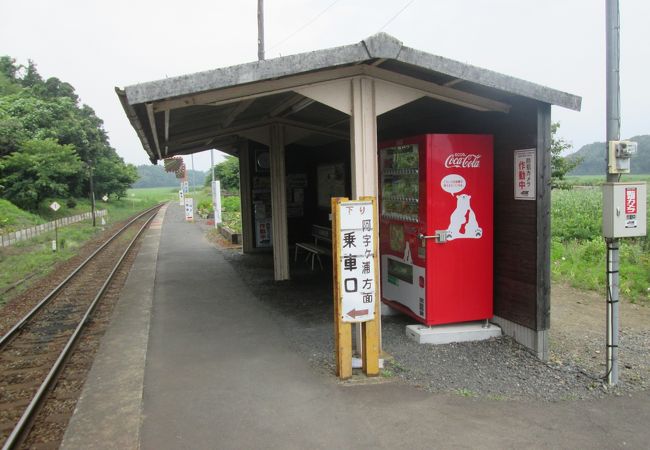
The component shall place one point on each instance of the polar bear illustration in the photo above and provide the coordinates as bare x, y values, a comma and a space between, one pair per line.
463, 215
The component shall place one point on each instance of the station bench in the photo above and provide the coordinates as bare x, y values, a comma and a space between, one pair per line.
314, 250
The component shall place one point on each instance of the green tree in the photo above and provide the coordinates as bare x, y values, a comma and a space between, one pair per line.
40, 169
11, 134
8, 86
31, 78
113, 176
9, 68
34, 109
560, 165
227, 172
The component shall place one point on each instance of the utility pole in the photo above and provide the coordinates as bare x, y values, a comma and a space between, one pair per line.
613, 106
214, 202
92, 191
260, 29
193, 180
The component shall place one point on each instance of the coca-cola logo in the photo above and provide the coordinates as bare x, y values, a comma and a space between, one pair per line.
464, 160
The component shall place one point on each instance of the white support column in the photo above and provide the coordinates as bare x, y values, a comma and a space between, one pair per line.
248, 234
363, 138
279, 204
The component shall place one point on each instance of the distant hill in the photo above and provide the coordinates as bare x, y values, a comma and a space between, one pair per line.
155, 176
593, 155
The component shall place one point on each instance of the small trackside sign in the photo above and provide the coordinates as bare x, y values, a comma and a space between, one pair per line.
189, 209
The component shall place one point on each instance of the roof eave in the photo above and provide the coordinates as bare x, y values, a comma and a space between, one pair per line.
489, 78
379, 46
136, 124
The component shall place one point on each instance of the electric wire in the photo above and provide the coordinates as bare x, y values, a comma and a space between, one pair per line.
396, 15
314, 19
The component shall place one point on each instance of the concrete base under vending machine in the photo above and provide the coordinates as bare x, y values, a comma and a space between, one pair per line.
457, 332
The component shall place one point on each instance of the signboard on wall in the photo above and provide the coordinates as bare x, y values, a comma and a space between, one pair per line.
525, 174
331, 183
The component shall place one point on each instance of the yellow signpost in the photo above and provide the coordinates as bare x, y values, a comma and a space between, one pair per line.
355, 250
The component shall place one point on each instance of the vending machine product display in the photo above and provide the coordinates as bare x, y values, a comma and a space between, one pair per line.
436, 197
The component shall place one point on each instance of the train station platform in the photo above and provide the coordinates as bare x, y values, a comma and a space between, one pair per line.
194, 360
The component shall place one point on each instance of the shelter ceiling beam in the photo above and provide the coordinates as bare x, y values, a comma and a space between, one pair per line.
213, 133
240, 108
286, 104
453, 82
314, 128
227, 143
258, 89
223, 141
439, 92
154, 131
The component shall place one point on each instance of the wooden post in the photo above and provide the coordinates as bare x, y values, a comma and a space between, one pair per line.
342, 330
279, 229
246, 199
370, 331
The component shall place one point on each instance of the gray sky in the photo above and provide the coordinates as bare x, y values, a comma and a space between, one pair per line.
96, 46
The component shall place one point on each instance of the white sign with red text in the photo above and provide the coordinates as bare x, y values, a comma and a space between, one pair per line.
524, 179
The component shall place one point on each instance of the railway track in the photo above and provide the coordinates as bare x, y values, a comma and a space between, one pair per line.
34, 351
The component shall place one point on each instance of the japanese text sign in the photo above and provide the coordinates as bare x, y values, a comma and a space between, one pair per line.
356, 260
189, 208
630, 201
524, 179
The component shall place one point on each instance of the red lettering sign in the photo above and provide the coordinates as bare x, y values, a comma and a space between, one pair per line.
630, 201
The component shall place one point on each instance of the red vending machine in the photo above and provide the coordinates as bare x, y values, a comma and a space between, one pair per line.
436, 226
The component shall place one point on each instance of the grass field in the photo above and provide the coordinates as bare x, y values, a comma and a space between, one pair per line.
578, 248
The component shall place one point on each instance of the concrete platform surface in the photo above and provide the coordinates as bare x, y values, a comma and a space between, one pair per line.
220, 374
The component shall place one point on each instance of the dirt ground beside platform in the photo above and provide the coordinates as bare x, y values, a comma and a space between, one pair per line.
577, 334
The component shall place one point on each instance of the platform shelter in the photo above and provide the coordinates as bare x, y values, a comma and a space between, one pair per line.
306, 127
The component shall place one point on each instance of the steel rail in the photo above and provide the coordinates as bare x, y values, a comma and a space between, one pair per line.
18, 431
19, 325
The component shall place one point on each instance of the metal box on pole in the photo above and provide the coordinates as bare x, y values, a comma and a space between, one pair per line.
624, 209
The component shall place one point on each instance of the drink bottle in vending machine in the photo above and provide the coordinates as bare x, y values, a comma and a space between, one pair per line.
436, 231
